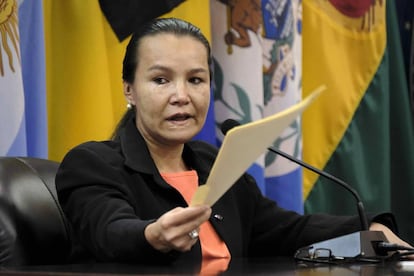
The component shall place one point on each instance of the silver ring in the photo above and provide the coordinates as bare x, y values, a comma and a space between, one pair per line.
193, 234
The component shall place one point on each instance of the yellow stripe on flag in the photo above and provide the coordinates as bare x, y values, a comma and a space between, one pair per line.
83, 72
342, 51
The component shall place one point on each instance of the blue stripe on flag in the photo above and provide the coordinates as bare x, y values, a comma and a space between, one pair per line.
286, 190
33, 71
257, 172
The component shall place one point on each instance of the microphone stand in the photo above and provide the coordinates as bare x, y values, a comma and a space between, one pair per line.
360, 205
359, 244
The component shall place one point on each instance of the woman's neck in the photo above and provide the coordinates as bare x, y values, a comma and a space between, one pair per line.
168, 159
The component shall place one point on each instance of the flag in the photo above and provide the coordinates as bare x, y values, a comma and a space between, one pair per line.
12, 122
257, 52
360, 129
22, 96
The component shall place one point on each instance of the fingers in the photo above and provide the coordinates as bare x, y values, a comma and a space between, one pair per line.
185, 219
172, 230
391, 237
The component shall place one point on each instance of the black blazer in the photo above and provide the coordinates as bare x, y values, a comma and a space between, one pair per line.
111, 190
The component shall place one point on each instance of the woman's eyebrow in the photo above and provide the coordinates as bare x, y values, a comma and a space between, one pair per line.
158, 67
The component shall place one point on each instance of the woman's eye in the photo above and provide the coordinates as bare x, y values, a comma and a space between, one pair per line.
160, 80
196, 80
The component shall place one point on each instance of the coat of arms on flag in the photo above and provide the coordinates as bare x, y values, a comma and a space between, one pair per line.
257, 51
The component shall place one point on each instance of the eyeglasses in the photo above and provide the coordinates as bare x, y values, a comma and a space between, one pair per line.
319, 255
325, 256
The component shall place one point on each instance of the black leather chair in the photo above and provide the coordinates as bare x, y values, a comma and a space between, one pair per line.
33, 228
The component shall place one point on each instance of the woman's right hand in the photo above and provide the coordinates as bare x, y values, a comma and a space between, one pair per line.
171, 230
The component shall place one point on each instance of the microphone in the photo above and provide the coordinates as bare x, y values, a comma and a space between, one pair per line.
363, 243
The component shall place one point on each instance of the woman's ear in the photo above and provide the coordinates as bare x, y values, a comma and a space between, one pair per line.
128, 93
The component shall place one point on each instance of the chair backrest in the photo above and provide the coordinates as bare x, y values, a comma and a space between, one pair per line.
33, 228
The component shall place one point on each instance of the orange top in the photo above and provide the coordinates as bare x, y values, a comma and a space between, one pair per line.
212, 246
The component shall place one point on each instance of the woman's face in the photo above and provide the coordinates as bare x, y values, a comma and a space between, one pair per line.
171, 90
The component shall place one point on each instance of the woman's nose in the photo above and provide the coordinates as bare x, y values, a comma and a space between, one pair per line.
181, 94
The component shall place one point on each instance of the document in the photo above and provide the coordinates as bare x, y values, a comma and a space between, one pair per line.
242, 145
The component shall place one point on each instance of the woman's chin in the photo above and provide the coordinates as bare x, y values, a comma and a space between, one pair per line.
183, 136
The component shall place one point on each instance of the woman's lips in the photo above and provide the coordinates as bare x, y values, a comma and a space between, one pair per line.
179, 117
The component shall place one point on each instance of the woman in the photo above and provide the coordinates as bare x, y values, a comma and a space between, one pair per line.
127, 199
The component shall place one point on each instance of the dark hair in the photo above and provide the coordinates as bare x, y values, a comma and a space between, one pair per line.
160, 25
174, 26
